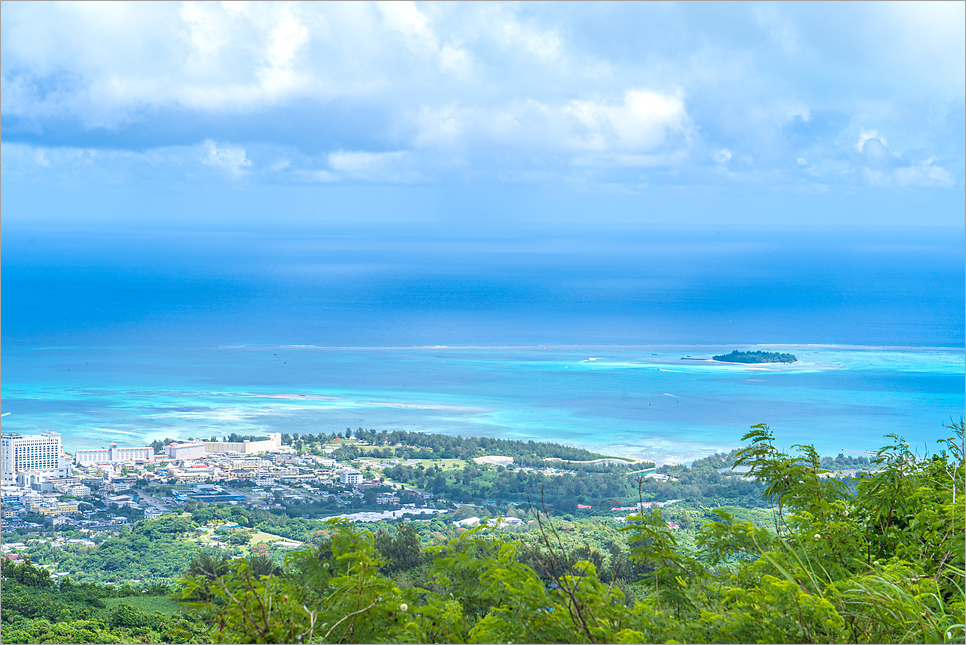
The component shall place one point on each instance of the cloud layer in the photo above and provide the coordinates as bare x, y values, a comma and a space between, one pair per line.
826, 97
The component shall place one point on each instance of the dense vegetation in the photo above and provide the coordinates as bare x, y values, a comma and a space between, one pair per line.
793, 556
152, 551
701, 483
878, 561
448, 447
421, 445
38, 610
755, 357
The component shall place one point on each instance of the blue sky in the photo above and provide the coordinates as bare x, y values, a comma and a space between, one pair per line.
458, 114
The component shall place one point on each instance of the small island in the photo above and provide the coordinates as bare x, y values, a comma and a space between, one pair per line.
755, 357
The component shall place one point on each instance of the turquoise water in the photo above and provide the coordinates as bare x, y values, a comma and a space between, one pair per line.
634, 401
129, 335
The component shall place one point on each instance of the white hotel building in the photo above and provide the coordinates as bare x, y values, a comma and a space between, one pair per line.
41, 454
113, 454
185, 451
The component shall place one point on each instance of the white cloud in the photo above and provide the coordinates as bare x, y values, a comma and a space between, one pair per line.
230, 158
865, 135
454, 59
110, 59
420, 38
536, 89
643, 120
925, 174
544, 44
373, 166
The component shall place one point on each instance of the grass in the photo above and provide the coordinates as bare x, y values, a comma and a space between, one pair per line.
262, 536
147, 604
445, 464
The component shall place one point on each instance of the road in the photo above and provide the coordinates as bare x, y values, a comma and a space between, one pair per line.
153, 501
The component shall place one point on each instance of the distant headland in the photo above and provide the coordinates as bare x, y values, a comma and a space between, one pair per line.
755, 357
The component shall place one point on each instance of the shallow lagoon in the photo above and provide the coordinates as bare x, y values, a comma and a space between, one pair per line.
634, 401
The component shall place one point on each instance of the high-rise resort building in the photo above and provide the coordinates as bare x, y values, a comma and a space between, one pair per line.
184, 451
41, 454
246, 447
113, 454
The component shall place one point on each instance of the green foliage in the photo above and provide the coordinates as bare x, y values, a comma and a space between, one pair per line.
756, 357
404, 551
153, 551
877, 562
91, 613
25, 573
796, 482
727, 539
701, 483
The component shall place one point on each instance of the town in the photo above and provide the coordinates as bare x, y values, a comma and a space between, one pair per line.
95, 490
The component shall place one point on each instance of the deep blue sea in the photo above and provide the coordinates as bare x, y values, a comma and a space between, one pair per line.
132, 334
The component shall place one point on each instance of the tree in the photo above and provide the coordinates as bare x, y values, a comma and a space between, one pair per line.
25, 573
404, 551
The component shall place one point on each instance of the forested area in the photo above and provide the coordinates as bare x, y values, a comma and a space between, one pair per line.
756, 357
153, 551
38, 610
421, 445
881, 561
700, 484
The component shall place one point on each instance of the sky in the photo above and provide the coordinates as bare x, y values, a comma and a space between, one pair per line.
484, 116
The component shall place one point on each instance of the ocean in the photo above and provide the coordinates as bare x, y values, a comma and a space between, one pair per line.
129, 335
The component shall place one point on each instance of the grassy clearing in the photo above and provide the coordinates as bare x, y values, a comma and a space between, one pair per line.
147, 604
262, 536
445, 464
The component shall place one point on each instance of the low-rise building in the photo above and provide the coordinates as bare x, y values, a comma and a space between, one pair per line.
113, 454
60, 508
120, 484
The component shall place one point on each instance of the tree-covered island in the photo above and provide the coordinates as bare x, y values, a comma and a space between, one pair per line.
755, 357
